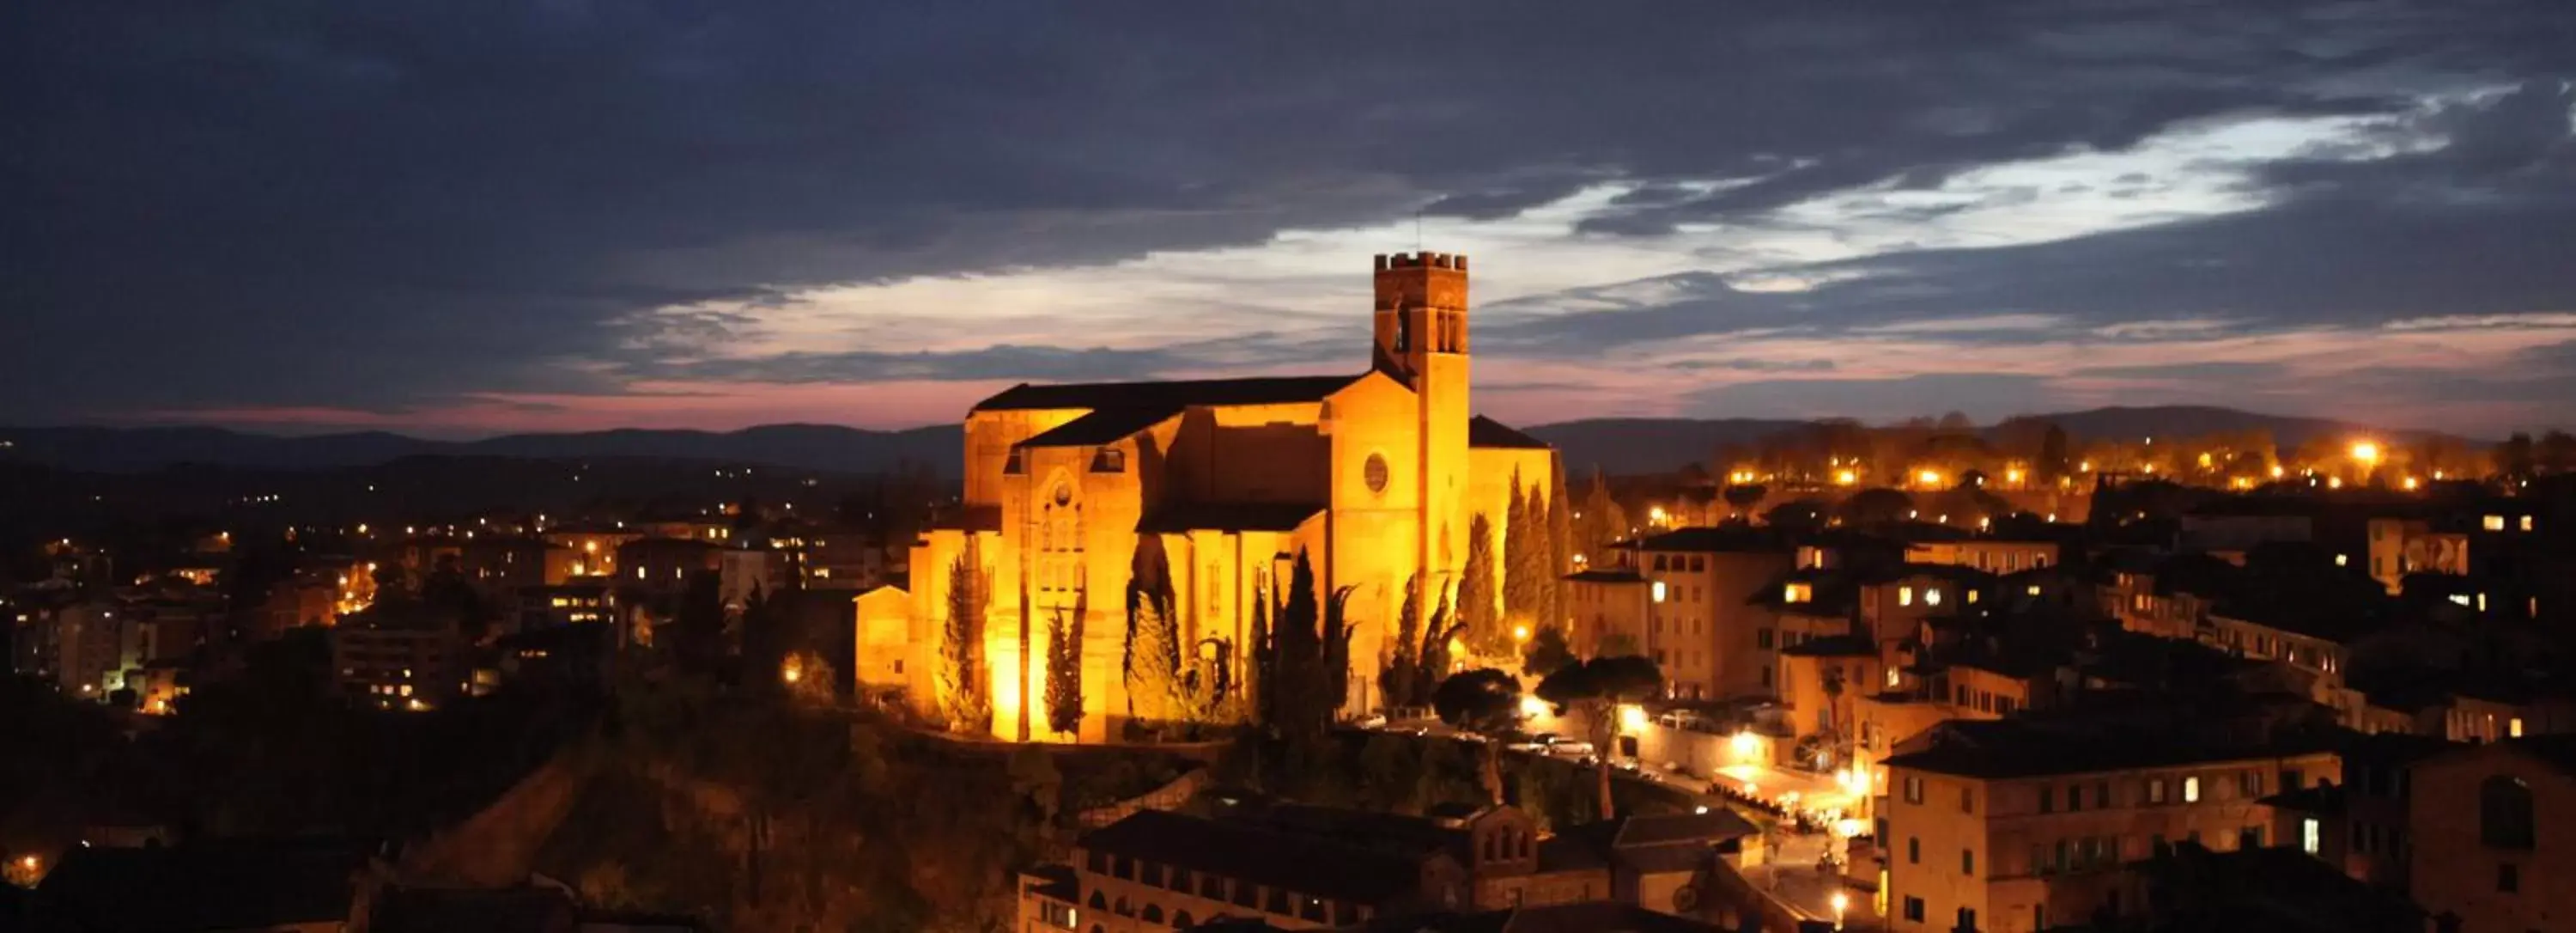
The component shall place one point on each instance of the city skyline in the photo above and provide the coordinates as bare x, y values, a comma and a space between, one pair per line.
564, 218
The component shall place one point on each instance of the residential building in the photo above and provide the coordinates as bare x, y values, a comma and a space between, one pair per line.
2019, 825
1297, 867
1992, 555
1707, 626
406, 659
2488, 823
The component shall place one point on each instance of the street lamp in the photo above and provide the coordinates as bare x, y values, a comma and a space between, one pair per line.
1842, 902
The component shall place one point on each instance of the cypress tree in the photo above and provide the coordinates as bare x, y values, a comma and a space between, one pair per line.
1478, 603
1154, 672
1521, 560
1395, 681
1063, 677
1560, 550
961, 651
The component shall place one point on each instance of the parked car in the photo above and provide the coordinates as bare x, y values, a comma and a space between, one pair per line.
1371, 721
1569, 747
1517, 742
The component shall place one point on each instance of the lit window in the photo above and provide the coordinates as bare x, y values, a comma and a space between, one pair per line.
1905, 596
2460, 598
1932, 596
2034, 589
2513, 727
2495, 523
2191, 790
2526, 523
1659, 591
2343, 560
1799, 593
1972, 597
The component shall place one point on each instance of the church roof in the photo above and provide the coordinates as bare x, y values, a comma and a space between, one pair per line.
1267, 390
1102, 426
1487, 432
1228, 516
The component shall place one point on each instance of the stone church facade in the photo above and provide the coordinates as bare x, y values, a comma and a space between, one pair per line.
1072, 490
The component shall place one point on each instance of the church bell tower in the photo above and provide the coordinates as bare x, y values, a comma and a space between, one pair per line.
1421, 341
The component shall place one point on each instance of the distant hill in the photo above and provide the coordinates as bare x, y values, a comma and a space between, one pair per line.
2186, 420
1653, 445
1650, 445
1617, 445
804, 446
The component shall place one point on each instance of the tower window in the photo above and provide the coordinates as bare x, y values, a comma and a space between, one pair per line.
1109, 460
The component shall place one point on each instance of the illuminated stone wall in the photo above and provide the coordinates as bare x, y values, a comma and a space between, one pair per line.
1385, 459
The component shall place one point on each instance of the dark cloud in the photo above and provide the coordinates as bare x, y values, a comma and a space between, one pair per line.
2470, 223
1037, 364
385, 204
1755, 366
1500, 203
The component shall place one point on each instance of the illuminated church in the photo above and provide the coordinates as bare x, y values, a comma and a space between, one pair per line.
1219, 484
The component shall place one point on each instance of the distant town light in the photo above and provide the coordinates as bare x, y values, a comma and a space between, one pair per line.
1845, 478
1928, 477
1532, 707
1632, 717
1520, 633
2365, 451
2277, 471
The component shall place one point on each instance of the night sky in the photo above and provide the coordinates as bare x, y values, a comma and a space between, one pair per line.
456, 218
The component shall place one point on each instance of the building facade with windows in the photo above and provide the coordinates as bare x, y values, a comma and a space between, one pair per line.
2002, 827
2487, 823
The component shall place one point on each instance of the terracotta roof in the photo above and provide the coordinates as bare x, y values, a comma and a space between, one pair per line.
1104, 426
1302, 864
1274, 390
1487, 432
1733, 539
2022, 748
